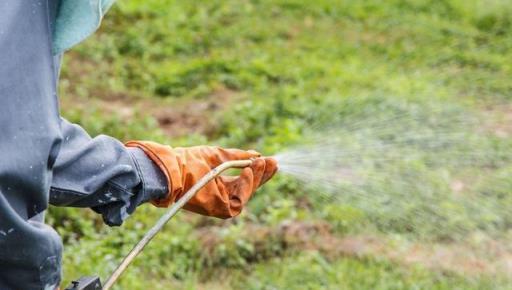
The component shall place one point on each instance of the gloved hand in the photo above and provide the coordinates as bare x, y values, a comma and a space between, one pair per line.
225, 196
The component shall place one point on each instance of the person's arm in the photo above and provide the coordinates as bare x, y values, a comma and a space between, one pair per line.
114, 178
101, 173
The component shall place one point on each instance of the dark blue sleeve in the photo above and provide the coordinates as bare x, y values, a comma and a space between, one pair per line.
101, 173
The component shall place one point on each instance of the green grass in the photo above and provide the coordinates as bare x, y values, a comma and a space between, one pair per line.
287, 65
311, 271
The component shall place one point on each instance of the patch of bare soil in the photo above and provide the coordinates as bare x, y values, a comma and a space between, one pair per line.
175, 117
489, 257
498, 120
198, 116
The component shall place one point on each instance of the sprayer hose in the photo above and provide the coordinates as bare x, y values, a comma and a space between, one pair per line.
169, 214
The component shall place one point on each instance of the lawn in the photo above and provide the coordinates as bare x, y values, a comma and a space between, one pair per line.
261, 74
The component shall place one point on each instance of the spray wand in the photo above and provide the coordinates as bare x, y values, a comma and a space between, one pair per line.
93, 283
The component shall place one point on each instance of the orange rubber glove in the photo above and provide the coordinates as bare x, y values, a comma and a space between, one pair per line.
225, 196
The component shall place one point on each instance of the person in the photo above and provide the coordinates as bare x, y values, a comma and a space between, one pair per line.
44, 159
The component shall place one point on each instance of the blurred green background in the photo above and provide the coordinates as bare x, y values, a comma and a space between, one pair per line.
257, 74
